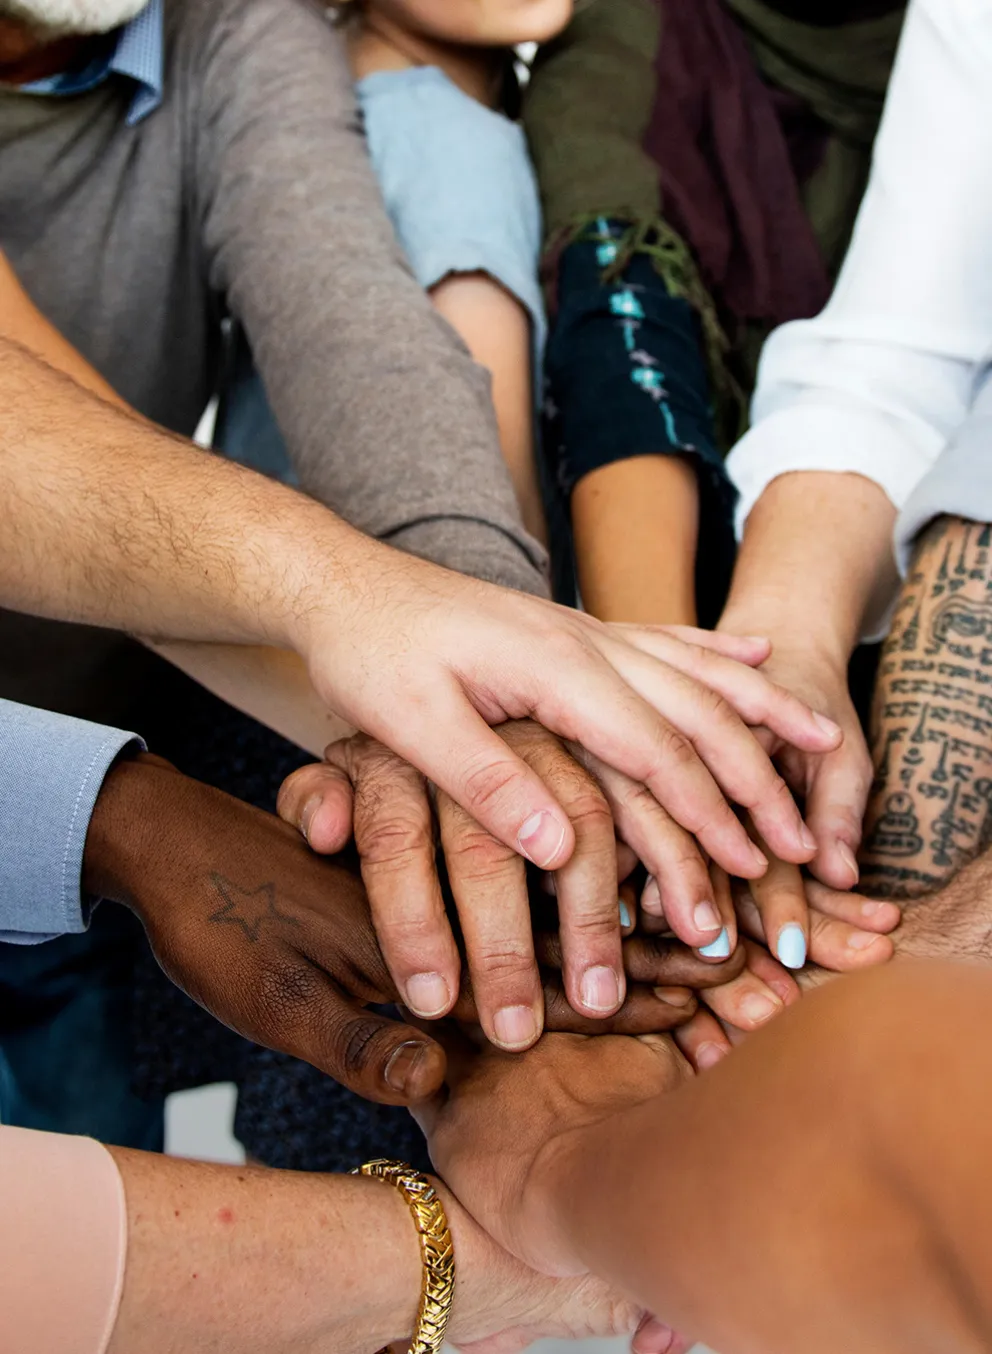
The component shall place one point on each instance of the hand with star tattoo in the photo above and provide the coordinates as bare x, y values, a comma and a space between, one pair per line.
279, 943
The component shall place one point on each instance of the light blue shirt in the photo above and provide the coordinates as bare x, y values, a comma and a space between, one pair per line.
137, 54
458, 183
52, 768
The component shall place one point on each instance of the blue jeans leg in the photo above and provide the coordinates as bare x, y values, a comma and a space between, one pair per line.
65, 1035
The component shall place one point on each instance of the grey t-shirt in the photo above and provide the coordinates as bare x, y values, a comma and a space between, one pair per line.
249, 190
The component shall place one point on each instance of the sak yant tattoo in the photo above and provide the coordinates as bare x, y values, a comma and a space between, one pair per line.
251, 909
931, 806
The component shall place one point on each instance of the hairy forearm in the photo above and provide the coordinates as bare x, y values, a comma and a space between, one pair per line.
107, 519
815, 560
782, 1202
237, 1260
931, 805
636, 524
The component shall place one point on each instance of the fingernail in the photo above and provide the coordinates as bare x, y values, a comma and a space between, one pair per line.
403, 1064
706, 917
872, 909
427, 994
758, 1008
709, 1054
847, 856
719, 948
807, 838
306, 817
540, 839
759, 858
651, 897
791, 948
673, 996
827, 725
515, 1027
625, 921
600, 989
862, 940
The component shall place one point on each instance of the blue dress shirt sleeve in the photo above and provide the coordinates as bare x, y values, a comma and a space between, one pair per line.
52, 768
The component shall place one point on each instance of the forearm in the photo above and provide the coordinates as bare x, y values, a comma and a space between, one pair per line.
800, 1210
109, 520
816, 555
270, 685
240, 1260
931, 805
636, 525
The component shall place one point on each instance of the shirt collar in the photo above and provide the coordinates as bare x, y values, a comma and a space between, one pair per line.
138, 54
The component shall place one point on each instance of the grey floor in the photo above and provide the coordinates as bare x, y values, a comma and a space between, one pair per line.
198, 1124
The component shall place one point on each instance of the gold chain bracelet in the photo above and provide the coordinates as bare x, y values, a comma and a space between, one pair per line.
436, 1250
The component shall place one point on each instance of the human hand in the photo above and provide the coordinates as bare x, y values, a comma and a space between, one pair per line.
275, 942
502, 1305
510, 1168
834, 783
441, 656
394, 828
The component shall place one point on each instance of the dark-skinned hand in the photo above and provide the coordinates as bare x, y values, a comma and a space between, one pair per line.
278, 943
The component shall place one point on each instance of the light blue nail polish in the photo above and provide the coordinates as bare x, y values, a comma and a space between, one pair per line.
791, 947
624, 914
719, 948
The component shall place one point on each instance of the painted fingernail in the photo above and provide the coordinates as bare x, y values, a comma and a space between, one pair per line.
600, 989
515, 1027
862, 940
306, 817
706, 916
427, 994
540, 839
625, 921
719, 948
673, 996
651, 897
402, 1067
807, 838
791, 947
709, 1054
757, 1007
847, 856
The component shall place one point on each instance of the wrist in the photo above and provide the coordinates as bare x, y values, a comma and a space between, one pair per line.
775, 616
131, 806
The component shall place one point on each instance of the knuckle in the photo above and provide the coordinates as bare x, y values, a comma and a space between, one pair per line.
590, 813
503, 960
289, 990
675, 748
486, 784
390, 841
473, 853
358, 1041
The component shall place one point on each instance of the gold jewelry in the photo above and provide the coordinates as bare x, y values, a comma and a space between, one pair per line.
436, 1249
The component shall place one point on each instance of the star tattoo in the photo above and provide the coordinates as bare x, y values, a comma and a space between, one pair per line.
247, 908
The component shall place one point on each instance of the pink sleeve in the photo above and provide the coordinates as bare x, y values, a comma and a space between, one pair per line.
63, 1243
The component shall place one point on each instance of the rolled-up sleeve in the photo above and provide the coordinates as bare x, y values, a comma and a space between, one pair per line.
883, 378
52, 768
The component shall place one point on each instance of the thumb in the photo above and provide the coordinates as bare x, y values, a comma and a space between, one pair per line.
377, 1058
318, 801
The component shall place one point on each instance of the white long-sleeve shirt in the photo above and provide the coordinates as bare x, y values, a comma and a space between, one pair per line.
882, 382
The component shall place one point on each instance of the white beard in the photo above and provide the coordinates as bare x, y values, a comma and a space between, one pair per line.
52, 19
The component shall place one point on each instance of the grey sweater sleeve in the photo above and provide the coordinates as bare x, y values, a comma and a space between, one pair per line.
52, 768
386, 417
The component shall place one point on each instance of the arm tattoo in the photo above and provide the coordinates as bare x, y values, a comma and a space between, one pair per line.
931, 805
250, 909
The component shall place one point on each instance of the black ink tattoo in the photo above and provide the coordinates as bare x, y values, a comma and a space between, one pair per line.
248, 908
931, 809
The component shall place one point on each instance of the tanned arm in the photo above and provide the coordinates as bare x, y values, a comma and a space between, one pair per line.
270, 684
931, 806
